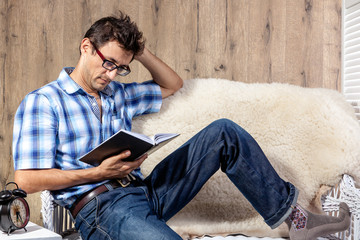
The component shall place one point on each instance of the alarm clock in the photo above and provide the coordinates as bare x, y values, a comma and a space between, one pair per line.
14, 210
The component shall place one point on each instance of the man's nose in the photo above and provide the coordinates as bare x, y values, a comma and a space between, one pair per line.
111, 74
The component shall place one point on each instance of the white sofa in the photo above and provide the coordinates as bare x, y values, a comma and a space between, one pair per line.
311, 137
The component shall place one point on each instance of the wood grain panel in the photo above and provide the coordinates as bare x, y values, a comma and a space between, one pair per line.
289, 41
331, 69
260, 34
12, 62
5, 159
295, 42
237, 49
313, 22
276, 29
211, 39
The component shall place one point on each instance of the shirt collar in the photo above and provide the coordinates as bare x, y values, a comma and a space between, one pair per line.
70, 86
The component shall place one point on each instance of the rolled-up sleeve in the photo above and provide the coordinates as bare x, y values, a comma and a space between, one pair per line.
34, 134
143, 98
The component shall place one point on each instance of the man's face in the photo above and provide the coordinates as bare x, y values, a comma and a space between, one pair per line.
96, 77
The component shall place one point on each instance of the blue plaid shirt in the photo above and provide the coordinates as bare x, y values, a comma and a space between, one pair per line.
57, 124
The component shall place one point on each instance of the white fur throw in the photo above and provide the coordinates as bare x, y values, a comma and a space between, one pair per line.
310, 136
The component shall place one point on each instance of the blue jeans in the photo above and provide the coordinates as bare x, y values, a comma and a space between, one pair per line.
141, 210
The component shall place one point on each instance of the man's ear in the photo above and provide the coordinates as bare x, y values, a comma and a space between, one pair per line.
85, 46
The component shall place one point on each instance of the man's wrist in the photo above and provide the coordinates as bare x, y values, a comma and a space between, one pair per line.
142, 57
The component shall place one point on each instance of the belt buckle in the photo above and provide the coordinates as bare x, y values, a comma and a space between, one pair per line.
125, 181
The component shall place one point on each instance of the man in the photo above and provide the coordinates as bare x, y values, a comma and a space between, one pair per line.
58, 123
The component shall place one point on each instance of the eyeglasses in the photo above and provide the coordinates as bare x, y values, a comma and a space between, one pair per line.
121, 70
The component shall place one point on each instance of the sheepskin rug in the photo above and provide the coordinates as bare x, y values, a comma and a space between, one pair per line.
311, 137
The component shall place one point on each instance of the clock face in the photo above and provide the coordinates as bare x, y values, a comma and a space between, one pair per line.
19, 212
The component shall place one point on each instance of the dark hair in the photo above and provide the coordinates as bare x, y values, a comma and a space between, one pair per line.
121, 29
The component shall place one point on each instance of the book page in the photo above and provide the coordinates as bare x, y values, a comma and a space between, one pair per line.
140, 136
161, 137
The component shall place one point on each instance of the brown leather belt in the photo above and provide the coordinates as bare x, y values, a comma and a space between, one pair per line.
88, 196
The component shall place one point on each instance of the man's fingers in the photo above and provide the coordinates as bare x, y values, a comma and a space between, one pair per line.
137, 162
142, 158
125, 154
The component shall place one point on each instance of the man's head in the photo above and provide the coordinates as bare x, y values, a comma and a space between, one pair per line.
106, 51
120, 29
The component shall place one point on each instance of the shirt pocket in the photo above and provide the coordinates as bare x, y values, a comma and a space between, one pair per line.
117, 124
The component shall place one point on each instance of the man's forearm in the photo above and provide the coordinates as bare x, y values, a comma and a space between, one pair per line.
162, 74
53, 179
35, 180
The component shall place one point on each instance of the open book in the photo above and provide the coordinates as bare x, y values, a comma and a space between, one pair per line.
137, 143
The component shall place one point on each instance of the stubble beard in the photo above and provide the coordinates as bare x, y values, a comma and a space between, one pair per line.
102, 85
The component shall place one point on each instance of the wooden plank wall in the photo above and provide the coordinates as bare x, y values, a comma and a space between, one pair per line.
289, 41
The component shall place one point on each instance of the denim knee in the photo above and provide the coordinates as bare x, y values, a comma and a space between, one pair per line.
224, 123
229, 127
